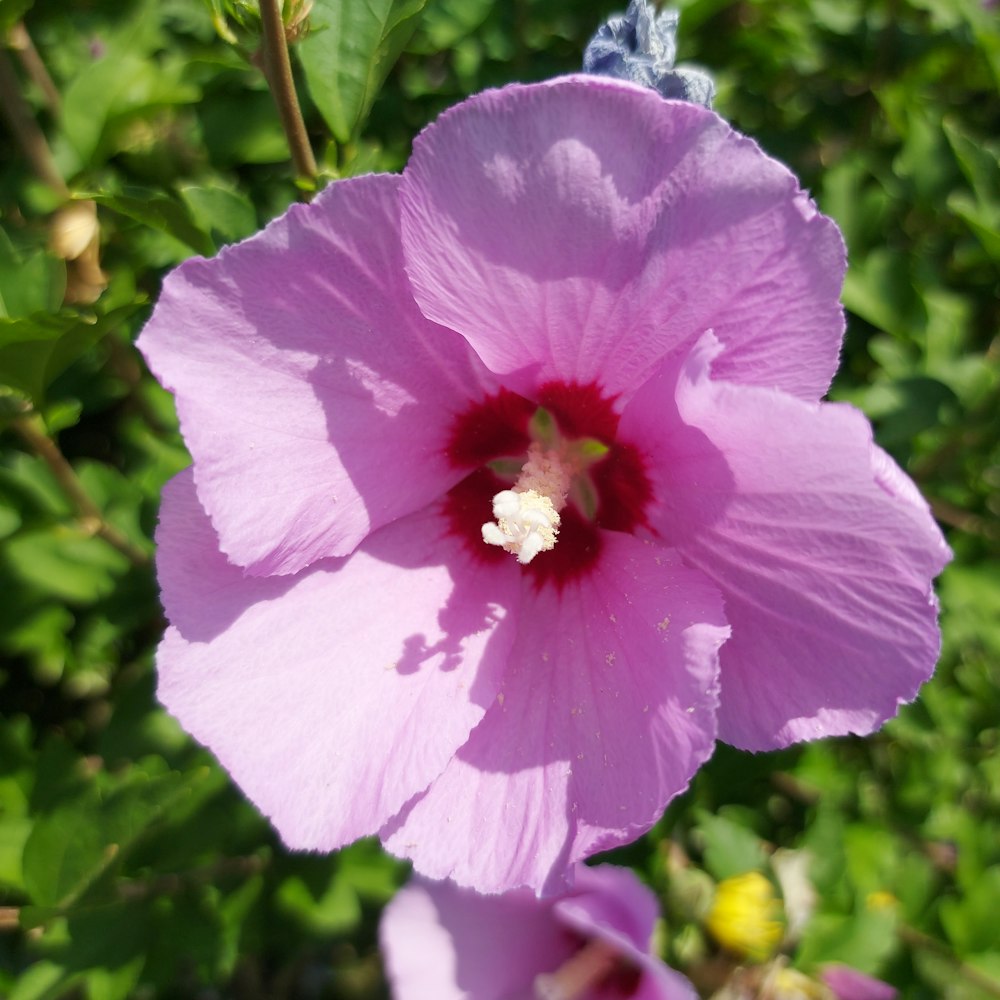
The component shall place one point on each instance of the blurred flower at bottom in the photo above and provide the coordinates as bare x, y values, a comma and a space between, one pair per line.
442, 942
849, 984
776, 981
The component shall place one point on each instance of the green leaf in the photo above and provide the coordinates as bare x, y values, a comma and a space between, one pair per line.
116, 496
857, 201
41, 635
980, 162
982, 221
89, 99
880, 289
970, 921
243, 128
65, 852
29, 284
862, 940
233, 911
107, 945
44, 980
372, 873
14, 832
449, 22
906, 407
729, 848
217, 10
123, 82
335, 910
11, 11
29, 486
37, 348
216, 210
159, 211
10, 520
348, 53
71, 847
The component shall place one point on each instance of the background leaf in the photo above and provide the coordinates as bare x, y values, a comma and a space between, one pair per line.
348, 53
35, 349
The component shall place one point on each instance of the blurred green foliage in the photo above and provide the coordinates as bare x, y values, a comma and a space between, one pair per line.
129, 865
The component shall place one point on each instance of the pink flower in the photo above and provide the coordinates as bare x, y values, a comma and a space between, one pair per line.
592, 327
593, 943
849, 984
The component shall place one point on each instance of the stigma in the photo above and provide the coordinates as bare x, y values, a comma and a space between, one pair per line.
527, 515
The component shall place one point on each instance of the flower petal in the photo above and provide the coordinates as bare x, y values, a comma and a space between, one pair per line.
449, 943
609, 903
823, 550
334, 696
659, 982
532, 227
313, 395
850, 984
606, 710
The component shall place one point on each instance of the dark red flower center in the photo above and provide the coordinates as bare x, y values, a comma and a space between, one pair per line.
498, 430
596, 966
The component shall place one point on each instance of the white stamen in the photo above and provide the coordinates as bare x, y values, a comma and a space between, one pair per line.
527, 516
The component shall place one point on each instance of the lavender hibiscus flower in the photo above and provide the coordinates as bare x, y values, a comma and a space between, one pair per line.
592, 943
491, 458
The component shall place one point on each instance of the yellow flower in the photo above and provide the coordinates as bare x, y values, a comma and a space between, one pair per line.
881, 900
745, 917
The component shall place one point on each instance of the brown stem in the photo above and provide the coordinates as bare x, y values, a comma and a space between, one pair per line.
30, 427
161, 885
795, 789
971, 524
278, 72
20, 41
10, 918
917, 939
29, 136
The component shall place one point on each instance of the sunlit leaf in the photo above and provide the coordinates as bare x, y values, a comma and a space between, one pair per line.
351, 46
159, 211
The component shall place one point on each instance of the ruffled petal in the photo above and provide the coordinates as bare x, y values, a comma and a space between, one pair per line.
606, 710
446, 943
334, 696
314, 396
823, 550
532, 226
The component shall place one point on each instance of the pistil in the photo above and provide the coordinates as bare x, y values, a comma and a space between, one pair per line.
527, 516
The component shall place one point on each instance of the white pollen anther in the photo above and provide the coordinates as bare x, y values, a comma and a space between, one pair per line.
527, 516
